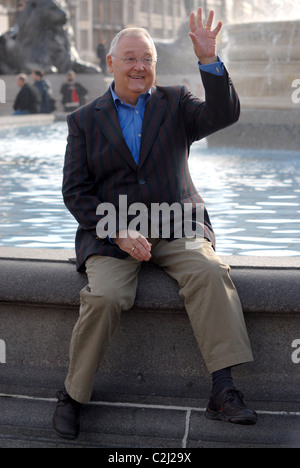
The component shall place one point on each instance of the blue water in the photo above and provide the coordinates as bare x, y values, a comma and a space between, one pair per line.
253, 197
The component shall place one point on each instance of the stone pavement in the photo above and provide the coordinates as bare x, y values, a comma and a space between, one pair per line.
152, 422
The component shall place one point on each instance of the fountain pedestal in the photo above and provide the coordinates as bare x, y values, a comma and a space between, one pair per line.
263, 60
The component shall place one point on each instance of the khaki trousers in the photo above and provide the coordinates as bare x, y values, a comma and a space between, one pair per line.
211, 301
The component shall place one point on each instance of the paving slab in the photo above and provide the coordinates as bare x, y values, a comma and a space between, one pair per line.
26, 422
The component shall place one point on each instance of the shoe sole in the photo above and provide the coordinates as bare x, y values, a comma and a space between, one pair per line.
219, 416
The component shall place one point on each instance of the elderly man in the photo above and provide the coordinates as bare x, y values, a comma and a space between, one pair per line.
133, 143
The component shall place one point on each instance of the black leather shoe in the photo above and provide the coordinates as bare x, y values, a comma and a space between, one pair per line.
66, 416
228, 405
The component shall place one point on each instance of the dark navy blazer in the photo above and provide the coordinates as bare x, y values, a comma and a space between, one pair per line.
99, 166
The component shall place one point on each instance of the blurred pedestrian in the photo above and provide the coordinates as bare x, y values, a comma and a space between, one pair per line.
44, 87
101, 54
20, 7
73, 93
28, 99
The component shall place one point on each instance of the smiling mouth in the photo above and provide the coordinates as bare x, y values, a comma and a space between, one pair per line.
136, 77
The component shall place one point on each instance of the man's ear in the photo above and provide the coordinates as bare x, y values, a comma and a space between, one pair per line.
109, 63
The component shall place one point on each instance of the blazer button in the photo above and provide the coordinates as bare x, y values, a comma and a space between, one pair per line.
142, 181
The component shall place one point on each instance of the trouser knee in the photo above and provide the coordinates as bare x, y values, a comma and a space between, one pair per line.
217, 271
214, 274
110, 299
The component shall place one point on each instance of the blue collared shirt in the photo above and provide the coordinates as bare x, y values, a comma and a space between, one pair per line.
131, 118
131, 121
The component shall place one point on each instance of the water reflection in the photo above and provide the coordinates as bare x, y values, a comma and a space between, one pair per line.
253, 197
32, 209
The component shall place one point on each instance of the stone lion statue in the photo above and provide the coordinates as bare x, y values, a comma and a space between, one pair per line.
44, 39
176, 56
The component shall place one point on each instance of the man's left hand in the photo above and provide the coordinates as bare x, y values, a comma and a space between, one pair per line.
204, 39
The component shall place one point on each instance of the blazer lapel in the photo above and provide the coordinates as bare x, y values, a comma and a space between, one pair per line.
154, 113
107, 118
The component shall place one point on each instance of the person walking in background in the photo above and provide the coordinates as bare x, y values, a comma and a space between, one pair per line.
28, 99
73, 93
44, 87
20, 7
101, 54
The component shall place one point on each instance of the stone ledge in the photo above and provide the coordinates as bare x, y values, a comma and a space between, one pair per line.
154, 351
261, 128
33, 276
22, 253
32, 119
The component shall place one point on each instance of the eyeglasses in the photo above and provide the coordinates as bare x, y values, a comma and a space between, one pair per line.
146, 61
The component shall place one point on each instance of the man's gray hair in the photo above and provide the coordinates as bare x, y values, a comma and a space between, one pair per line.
23, 77
131, 32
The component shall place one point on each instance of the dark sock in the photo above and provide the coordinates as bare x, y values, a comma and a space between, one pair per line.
221, 379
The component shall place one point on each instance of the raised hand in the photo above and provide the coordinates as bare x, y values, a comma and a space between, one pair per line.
204, 38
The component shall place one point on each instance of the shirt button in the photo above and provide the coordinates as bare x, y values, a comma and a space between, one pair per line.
140, 135
142, 181
136, 112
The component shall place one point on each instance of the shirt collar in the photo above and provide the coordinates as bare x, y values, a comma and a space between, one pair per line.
117, 100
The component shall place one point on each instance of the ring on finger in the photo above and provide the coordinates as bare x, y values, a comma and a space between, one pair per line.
207, 27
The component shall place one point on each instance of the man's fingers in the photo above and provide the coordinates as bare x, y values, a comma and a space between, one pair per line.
142, 249
218, 28
143, 244
196, 23
134, 244
193, 27
199, 18
194, 38
140, 254
210, 19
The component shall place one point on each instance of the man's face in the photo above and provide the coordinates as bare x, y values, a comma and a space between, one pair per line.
132, 80
20, 82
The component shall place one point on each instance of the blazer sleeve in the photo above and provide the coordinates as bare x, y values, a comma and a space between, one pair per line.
78, 187
220, 109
